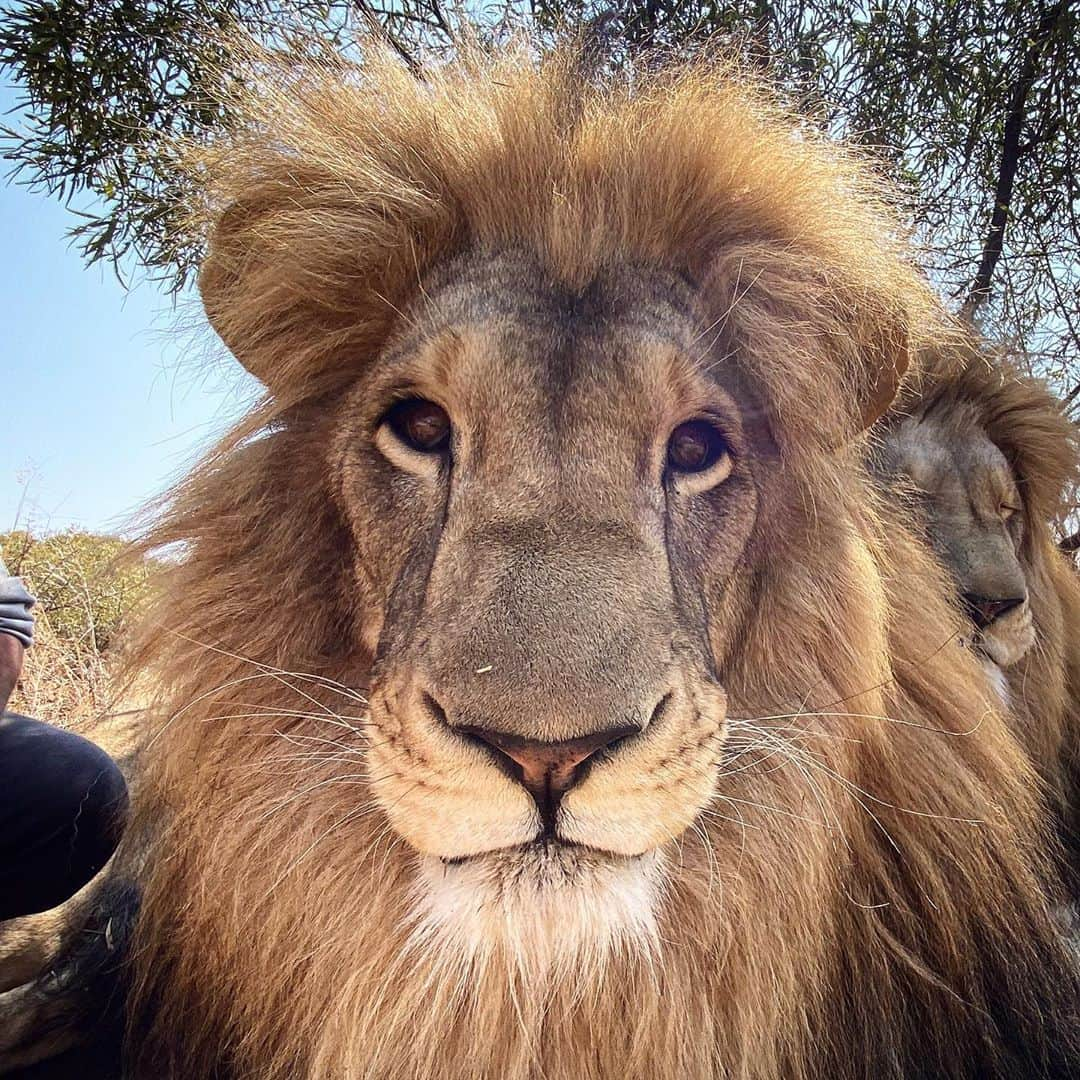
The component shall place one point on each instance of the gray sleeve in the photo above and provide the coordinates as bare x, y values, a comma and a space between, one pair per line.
15, 605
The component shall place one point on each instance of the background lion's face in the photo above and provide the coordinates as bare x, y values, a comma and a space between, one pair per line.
974, 520
548, 490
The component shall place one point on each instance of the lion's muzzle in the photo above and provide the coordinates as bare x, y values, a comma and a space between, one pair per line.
983, 610
547, 770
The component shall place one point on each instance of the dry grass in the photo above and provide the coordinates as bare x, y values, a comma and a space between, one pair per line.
86, 589
65, 685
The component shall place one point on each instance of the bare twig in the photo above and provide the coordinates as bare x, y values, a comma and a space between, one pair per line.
1012, 153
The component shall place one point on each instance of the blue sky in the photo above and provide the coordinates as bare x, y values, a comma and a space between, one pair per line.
104, 402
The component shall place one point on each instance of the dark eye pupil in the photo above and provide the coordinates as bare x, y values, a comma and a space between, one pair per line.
695, 446
423, 425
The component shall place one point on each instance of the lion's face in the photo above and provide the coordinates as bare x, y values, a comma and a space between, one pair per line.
547, 491
975, 522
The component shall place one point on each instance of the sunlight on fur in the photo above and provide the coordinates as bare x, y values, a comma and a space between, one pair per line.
997, 680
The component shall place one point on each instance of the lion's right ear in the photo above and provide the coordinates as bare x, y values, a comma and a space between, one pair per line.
242, 297
219, 281
252, 298
286, 299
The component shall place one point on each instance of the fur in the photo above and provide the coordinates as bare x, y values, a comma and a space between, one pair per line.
860, 893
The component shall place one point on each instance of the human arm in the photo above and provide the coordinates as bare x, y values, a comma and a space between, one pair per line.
16, 631
11, 656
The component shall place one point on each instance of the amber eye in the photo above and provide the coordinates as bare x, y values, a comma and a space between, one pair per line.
1007, 511
695, 446
421, 425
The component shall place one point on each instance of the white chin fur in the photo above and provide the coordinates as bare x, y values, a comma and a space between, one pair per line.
546, 911
997, 680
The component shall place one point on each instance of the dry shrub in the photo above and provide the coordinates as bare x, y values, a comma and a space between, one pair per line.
86, 588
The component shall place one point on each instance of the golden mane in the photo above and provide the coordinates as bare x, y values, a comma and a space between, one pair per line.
340, 188
866, 896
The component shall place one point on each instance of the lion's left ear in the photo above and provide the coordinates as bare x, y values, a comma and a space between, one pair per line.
893, 358
879, 329
831, 353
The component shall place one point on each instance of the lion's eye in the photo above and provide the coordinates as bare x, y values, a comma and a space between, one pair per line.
421, 425
1006, 511
695, 446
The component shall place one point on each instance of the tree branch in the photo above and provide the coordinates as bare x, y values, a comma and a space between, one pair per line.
1011, 156
1070, 543
373, 23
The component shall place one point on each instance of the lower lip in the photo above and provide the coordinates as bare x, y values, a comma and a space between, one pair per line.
538, 845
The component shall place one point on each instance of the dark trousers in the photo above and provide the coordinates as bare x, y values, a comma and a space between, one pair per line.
63, 807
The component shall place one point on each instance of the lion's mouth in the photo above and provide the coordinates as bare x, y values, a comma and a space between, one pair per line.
539, 869
1004, 646
1004, 640
544, 847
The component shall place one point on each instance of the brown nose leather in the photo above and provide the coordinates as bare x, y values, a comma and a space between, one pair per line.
983, 611
547, 769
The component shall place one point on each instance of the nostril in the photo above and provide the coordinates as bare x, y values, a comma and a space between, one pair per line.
661, 708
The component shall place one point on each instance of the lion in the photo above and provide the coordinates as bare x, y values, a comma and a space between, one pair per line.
992, 457
545, 690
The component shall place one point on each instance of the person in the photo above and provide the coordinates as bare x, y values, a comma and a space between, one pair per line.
63, 801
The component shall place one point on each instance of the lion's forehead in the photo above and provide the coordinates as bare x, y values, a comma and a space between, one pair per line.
508, 309
954, 460
519, 282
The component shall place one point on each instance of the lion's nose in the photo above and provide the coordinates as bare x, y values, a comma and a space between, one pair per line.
982, 610
547, 769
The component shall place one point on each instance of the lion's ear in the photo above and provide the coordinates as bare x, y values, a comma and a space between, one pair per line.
286, 302
218, 275
229, 260
884, 382
832, 355
883, 338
